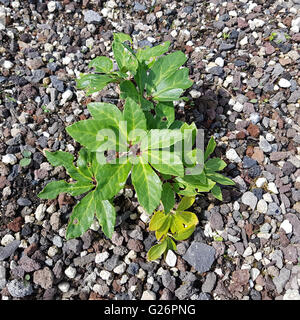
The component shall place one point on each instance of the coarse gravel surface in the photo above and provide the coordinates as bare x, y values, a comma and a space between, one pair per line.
244, 59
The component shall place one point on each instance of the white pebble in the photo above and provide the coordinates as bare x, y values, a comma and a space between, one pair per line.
238, 107
7, 64
284, 83
70, 272
272, 187
9, 159
101, 257
7, 239
260, 182
171, 258
286, 226
105, 275
148, 295
40, 212
233, 156
64, 287
219, 61
120, 269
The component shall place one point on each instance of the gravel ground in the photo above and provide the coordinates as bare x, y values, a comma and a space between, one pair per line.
244, 59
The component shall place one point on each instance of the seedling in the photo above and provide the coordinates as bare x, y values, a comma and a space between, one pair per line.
142, 140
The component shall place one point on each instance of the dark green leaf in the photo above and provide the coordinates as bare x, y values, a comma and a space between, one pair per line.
147, 185
106, 215
217, 193
219, 178
81, 217
101, 64
124, 57
210, 148
65, 159
165, 115
153, 52
93, 82
167, 197
215, 164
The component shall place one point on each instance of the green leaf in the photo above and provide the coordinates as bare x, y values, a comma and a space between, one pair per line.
111, 179
217, 193
66, 159
215, 164
161, 138
171, 244
167, 197
164, 161
184, 233
26, 153
106, 215
165, 115
164, 229
84, 162
186, 218
219, 178
25, 162
210, 148
157, 220
81, 217
124, 57
54, 188
106, 112
157, 250
147, 185
93, 82
128, 90
140, 77
122, 37
101, 64
95, 135
135, 118
163, 68
153, 52
185, 203
171, 88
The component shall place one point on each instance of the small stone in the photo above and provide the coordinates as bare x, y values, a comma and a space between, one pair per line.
201, 256
9, 249
249, 199
43, 278
9, 159
272, 187
247, 252
40, 212
105, 275
120, 269
254, 273
260, 182
93, 17
284, 83
171, 258
281, 280
148, 295
291, 294
7, 239
51, 6
233, 156
238, 107
220, 62
64, 286
101, 257
7, 64
209, 283
70, 272
262, 206
286, 226
264, 145
19, 288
